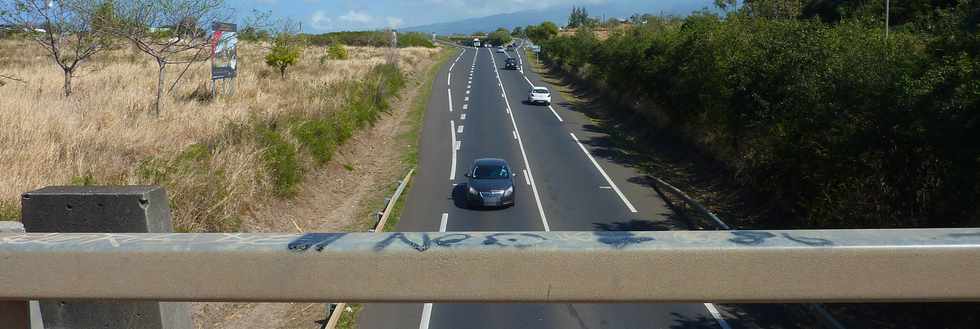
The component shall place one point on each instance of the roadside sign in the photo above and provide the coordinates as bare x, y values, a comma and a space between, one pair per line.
224, 50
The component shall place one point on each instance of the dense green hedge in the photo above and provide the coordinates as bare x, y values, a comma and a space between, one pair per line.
837, 126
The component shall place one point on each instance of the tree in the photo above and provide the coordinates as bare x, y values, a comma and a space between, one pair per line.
772, 8
284, 53
64, 28
727, 5
500, 37
517, 32
542, 32
580, 18
170, 31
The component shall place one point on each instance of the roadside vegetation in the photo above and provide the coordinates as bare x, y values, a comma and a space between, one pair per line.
830, 122
217, 157
369, 39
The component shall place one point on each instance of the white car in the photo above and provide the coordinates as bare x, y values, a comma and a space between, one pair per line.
500, 49
539, 95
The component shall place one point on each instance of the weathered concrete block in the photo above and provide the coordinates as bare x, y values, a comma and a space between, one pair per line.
103, 209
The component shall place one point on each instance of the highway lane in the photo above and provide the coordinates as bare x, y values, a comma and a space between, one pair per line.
573, 192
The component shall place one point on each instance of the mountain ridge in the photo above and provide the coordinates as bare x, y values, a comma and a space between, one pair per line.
557, 14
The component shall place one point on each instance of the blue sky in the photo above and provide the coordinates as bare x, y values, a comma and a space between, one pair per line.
335, 15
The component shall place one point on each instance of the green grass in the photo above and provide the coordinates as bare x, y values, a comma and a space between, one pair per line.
280, 160
9, 211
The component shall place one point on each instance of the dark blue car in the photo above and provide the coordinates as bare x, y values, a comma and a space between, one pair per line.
490, 184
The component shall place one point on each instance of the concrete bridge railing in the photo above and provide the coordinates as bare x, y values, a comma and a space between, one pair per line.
139, 269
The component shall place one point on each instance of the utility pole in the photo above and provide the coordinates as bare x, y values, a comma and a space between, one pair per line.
887, 14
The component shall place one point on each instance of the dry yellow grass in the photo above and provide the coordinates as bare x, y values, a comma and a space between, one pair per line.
105, 129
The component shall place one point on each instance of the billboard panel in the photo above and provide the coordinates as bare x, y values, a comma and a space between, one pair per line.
224, 50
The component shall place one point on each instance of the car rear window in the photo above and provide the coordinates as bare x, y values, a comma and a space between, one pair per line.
540, 91
491, 172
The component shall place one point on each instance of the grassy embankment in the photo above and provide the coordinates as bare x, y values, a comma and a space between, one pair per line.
218, 158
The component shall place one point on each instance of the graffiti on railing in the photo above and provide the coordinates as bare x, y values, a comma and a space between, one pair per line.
422, 241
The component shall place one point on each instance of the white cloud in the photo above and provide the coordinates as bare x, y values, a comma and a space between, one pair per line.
394, 22
320, 20
356, 17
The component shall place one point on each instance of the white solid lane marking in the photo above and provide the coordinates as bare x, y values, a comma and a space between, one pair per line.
452, 165
426, 314
443, 222
555, 113
528, 81
450, 93
604, 175
449, 79
526, 180
515, 134
717, 315
459, 129
520, 144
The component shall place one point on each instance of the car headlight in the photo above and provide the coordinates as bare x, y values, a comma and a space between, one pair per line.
472, 190
509, 191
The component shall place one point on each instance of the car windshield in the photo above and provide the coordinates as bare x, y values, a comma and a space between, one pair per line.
540, 91
491, 172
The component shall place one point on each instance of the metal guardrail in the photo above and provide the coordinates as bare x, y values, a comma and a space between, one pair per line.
681, 266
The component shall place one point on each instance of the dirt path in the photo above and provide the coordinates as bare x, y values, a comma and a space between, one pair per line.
337, 197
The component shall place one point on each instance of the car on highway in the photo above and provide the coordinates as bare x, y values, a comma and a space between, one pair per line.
490, 184
510, 64
500, 49
510, 47
539, 95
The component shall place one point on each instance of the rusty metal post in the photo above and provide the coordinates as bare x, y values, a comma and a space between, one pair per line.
104, 209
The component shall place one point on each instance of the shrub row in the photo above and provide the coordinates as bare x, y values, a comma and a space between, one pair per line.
835, 125
370, 39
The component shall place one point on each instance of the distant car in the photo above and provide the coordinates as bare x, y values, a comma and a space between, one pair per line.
510, 47
490, 184
510, 64
539, 95
500, 49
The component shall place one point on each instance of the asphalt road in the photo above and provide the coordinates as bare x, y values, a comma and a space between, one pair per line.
569, 179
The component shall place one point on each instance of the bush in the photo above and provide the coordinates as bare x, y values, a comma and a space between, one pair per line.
337, 51
415, 39
280, 160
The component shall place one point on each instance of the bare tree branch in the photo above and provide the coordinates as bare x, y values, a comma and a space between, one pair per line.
2, 76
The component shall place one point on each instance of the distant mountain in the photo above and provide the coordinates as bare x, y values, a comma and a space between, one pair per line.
559, 15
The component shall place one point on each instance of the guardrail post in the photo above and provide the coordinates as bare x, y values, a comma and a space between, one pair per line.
103, 209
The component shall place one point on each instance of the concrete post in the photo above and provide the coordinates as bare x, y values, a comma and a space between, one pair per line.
103, 209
